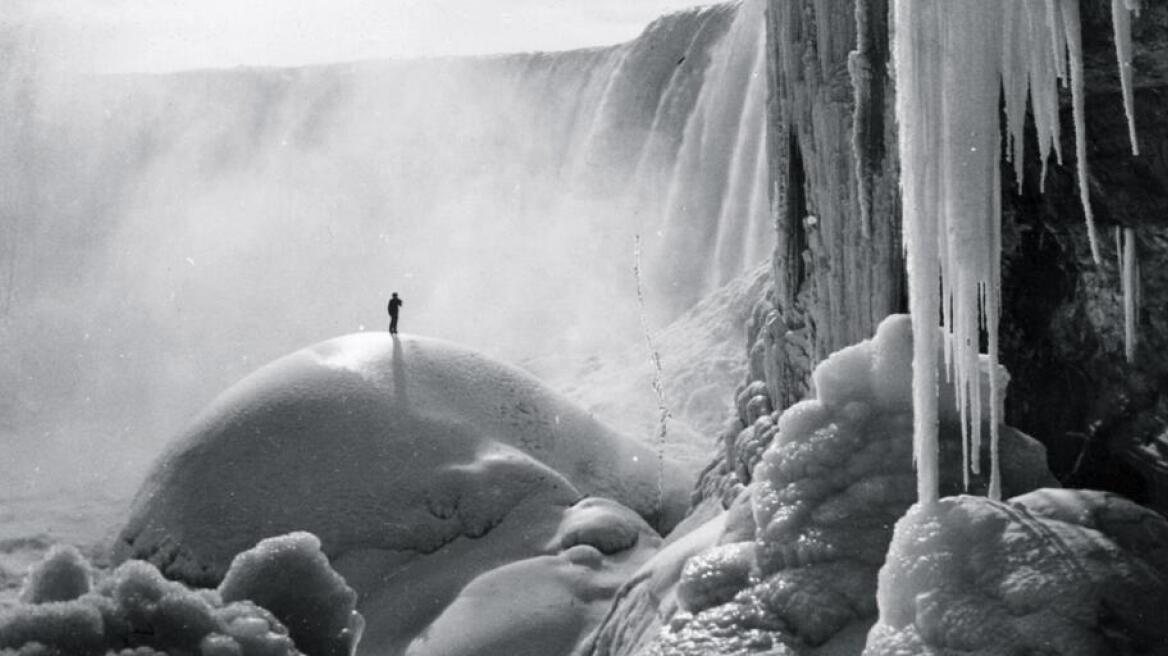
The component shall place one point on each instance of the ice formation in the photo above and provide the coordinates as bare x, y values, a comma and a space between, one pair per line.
1052, 571
795, 567
951, 60
135, 611
289, 576
376, 443
64, 574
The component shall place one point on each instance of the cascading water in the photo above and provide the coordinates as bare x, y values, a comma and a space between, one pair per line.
166, 233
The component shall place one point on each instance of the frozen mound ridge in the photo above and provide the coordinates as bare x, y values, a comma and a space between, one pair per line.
1053, 572
377, 443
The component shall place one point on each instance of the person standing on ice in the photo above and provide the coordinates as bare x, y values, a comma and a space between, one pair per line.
395, 304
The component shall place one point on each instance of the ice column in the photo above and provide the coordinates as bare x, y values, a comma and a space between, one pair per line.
952, 60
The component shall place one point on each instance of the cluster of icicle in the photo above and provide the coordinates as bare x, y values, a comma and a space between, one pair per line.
952, 60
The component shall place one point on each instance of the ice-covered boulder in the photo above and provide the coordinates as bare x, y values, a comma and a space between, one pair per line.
1054, 571
373, 443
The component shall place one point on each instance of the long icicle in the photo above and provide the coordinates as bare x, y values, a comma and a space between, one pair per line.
1072, 31
1121, 24
951, 61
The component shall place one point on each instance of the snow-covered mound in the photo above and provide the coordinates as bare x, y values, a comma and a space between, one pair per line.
1053, 572
135, 611
377, 443
795, 566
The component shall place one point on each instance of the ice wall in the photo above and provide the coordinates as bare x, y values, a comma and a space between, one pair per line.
165, 233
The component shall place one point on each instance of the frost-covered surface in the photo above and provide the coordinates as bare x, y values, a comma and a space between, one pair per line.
794, 567
1052, 571
134, 610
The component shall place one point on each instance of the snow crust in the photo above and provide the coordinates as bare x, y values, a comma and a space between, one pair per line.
1052, 571
951, 61
134, 610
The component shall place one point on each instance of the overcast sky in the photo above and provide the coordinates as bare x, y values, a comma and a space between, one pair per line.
162, 35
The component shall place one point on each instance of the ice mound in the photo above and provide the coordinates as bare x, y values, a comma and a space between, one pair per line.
798, 571
134, 610
381, 444
1051, 572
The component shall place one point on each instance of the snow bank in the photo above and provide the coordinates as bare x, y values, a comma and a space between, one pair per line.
373, 443
1053, 571
800, 568
134, 610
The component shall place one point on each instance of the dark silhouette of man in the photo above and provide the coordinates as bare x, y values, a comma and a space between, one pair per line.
395, 304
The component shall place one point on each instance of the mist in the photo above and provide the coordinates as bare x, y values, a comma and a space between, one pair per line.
164, 235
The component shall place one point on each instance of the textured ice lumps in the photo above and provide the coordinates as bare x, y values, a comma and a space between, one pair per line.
62, 575
290, 576
825, 496
135, 610
1051, 571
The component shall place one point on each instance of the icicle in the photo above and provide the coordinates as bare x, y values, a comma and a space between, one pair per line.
1015, 81
916, 49
1074, 40
865, 113
1121, 24
1043, 87
1058, 43
1130, 285
951, 60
